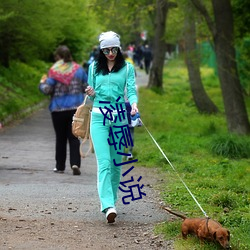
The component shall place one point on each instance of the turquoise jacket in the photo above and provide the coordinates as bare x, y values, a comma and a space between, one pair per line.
113, 85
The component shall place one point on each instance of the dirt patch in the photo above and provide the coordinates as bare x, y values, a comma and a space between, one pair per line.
50, 234
32, 217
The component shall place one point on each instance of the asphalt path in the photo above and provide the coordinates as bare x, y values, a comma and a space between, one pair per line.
29, 188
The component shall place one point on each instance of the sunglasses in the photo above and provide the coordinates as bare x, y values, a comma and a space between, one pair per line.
106, 51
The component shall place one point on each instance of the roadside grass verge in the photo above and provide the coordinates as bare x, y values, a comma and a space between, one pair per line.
19, 88
214, 164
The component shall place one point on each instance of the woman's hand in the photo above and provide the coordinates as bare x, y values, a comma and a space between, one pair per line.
134, 109
43, 79
90, 91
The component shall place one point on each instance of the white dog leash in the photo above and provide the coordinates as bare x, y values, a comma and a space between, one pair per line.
175, 170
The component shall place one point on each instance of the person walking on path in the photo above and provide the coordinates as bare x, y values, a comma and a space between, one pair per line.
65, 84
147, 54
108, 78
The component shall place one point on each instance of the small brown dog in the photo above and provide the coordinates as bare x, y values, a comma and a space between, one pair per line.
204, 229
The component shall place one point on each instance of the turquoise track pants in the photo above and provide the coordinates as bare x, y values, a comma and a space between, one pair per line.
108, 175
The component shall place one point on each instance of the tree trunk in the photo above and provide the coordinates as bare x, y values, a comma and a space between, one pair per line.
201, 99
159, 47
223, 38
235, 109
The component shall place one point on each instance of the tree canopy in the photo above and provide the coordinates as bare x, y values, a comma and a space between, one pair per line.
27, 32
32, 30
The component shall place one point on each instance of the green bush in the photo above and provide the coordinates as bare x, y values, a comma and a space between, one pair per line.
19, 87
231, 146
223, 200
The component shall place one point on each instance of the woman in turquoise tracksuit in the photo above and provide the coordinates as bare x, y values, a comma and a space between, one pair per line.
108, 77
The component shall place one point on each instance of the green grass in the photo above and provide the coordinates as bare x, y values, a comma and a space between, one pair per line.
19, 88
214, 164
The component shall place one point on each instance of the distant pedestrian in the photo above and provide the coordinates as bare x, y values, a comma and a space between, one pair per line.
147, 55
138, 56
65, 84
93, 55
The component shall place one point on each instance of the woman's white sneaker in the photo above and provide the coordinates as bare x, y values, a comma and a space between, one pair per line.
111, 214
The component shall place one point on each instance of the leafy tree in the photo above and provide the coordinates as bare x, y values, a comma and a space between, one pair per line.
242, 33
241, 18
78, 29
126, 17
201, 99
156, 72
221, 28
28, 33
175, 24
22, 35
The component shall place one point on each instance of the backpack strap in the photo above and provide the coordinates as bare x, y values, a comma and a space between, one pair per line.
92, 73
90, 149
127, 74
126, 83
87, 137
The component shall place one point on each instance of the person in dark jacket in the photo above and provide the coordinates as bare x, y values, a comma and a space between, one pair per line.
147, 54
